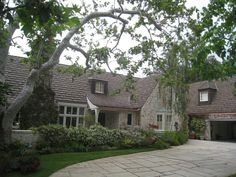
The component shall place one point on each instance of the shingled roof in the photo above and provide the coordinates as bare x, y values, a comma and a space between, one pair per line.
224, 100
76, 89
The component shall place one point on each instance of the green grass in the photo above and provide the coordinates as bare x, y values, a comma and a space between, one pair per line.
54, 162
232, 175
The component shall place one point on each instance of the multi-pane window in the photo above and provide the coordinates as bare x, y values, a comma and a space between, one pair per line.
129, 119
71, 116
203, 96
168, 122
159, 121
99, 87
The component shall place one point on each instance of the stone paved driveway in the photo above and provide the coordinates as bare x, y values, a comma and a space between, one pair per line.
195, 159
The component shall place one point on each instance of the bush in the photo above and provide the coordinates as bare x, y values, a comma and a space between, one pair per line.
171, 138
29, 161
182, 137
18, 156
160, 144
55, 136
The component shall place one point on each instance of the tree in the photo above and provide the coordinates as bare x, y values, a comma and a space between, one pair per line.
172, 42
37, 19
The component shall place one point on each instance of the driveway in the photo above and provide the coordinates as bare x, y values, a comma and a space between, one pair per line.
194, 159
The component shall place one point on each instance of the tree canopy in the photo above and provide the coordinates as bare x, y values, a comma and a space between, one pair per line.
163, 35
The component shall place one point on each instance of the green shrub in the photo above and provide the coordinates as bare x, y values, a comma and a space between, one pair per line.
160, 144
198, 125
18, 156
171, 138
55, 136
182, 137
29, 163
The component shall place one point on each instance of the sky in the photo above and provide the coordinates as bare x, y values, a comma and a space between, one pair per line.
19, 51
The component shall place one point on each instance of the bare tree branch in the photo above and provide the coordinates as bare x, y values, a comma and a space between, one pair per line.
85, 54
118, 40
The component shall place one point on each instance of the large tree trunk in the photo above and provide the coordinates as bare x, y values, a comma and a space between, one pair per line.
4, 50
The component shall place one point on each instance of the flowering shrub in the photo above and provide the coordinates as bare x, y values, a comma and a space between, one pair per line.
56, 138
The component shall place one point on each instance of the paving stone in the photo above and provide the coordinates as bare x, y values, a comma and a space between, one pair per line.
194, 159
148, 174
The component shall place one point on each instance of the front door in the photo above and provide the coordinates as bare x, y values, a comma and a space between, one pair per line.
102, 119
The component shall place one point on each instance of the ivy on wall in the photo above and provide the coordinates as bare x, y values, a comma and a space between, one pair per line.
40, 109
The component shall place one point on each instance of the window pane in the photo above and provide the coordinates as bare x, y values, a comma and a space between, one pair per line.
73, 123
61, 110
99, 87
159, 121
129, 119
68, 110
204, 96
81, 120
68, 122
81, 111
74, 111
61, 120
168, 122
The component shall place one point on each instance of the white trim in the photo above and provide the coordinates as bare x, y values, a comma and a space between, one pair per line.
95, 108
204, 96
72, 104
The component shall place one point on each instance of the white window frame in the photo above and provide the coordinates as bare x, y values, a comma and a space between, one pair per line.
162, 118
168, 124
65, 115
204, 96
99, 87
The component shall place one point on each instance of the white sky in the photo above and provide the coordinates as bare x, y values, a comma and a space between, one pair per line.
125, 44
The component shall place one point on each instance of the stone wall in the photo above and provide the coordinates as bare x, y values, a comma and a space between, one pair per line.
123, 119
155, 105
25, 136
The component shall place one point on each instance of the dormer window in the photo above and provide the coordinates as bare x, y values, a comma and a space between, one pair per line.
203, 96
99, 87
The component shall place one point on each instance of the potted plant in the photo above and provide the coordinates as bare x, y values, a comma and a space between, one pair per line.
198, 125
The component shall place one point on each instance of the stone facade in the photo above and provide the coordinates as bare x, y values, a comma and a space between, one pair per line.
155, 105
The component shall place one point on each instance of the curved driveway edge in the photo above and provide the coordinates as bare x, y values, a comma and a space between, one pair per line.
194, 159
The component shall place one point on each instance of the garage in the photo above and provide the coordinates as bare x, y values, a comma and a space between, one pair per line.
223, 130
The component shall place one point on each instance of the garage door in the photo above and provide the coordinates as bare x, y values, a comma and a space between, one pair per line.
223, 130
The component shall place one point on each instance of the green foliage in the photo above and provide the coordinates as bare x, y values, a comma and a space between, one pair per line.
18, 157
89, 119
160, 144
56, 138
5, 90
53, 136
29, 162
182, 137
198, 125
40, 109
171, 138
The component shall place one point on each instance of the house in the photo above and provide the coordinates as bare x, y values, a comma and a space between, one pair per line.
98, 93
215, 102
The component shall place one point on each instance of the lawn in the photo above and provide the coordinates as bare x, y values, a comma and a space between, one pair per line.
232, 175
54, 162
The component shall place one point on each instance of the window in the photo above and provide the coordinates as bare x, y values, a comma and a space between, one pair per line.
129, 119
159, 121
99, 87
71, 115
168, 122
203, 96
